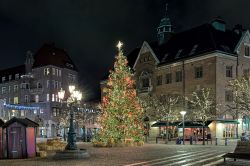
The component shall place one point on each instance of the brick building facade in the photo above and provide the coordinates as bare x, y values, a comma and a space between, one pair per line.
207, 56
31, 90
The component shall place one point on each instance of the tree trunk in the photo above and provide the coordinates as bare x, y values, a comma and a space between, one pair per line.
237, 125
203, 134
64, 134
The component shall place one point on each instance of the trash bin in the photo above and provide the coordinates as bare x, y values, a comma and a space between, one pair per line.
191, 140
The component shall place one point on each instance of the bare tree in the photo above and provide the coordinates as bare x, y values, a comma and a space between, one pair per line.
241, 90
204, 108
82, 116
162, 107
241, 98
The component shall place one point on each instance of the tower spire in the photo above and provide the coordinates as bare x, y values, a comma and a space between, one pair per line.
164, 30
166, 9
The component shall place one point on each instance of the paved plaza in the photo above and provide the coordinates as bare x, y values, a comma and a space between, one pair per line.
150, 154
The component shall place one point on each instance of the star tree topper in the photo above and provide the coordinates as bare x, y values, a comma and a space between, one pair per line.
119, 45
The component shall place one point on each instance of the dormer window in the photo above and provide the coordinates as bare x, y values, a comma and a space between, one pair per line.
164, 58
178, 53
46, 71
247, 51
193, 50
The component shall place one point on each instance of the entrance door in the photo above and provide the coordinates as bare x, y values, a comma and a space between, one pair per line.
15, 143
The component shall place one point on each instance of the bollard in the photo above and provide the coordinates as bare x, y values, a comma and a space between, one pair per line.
216, 141
191, 140
156, 140
226, 141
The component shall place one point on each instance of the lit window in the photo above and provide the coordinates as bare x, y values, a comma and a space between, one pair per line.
46, 71
56, 72
15, 100
35, 111
41, 111
9, 89
37, 98
47, 97
229, 71
22, 113
53, 97
198, 72
56, 97
60, 73
53, 71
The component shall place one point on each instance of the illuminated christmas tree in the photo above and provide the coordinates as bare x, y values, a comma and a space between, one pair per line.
122, 118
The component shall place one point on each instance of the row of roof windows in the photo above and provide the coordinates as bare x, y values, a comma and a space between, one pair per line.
10, 77
179, 52
54, 71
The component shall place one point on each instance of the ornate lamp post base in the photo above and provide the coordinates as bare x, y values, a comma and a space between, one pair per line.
71, 142
71, 154
71, 134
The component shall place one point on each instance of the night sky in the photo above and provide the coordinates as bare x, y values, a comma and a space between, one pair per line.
89, 29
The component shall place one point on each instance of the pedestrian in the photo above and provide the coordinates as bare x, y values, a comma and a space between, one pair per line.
195, 139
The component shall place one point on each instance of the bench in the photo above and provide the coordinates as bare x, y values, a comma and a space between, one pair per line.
242, 151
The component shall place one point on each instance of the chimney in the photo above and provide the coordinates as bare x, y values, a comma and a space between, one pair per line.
238, 29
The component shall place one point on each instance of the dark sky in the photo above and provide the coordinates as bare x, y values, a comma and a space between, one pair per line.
89, 29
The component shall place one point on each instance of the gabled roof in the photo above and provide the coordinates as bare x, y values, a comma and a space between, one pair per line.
49, 54
195, 42
26, 122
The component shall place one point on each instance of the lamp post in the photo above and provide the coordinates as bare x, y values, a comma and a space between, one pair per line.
72, 100
183, 125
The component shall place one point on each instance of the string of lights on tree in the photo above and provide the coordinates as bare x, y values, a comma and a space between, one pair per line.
121, 117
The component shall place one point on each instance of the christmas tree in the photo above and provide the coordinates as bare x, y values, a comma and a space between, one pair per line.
122, 117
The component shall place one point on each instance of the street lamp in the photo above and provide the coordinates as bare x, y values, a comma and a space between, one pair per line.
72, 100
183, 125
